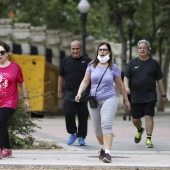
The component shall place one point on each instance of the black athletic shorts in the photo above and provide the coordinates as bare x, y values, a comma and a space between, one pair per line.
139, 110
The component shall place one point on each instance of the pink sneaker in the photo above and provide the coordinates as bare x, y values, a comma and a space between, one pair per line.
0, 153
6, 153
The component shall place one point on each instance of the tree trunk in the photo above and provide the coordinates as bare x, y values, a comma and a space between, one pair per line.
117, 19
165, 70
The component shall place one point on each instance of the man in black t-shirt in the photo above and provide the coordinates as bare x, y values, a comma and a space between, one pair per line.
72, 71
144, 72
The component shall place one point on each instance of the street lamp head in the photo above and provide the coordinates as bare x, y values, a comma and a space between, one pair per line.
83, 6
131, 24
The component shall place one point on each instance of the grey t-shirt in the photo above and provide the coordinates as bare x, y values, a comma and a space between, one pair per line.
106, 88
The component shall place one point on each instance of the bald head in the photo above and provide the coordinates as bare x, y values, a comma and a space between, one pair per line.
75, 42
76, 49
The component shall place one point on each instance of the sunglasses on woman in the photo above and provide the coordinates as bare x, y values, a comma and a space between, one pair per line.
2, 52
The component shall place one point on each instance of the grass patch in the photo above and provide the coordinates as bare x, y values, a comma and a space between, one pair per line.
39, 144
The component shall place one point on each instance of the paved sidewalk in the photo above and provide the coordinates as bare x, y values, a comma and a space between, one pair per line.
125, 153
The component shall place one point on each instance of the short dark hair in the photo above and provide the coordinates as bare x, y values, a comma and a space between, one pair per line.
5, 45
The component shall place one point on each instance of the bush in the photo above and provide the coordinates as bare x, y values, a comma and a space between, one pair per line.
20, 126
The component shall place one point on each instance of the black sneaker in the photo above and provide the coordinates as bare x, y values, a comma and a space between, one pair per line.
107, 158
102, 153
138, 136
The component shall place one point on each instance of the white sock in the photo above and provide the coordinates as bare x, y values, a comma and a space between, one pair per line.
107, 151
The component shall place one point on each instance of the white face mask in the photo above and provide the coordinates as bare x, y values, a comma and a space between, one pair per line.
103, 59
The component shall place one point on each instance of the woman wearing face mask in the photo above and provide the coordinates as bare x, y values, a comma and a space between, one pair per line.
102, 116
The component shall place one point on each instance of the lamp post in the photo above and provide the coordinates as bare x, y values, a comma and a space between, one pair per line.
160, 36
131, 26
83, 7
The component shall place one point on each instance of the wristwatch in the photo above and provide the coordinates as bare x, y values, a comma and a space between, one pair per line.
164, 95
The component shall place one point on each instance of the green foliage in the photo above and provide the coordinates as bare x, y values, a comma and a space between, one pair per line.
98, 21
164, 19
105, 19
20, 127
62, 15
144, 27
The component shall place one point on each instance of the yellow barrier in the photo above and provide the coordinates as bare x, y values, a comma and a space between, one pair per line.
33, 68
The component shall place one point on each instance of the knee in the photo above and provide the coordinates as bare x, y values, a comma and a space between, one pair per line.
68, 112
98, 132
107, 128
69, 116
97, 129
148, 118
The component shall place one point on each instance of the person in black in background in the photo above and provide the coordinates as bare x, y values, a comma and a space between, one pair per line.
71, 74
127, 113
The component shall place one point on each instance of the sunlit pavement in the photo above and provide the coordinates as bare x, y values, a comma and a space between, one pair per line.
125, 153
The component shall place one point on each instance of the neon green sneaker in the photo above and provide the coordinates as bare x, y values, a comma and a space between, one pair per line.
149, 143
138, 136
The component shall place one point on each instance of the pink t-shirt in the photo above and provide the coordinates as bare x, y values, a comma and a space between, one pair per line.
9, 77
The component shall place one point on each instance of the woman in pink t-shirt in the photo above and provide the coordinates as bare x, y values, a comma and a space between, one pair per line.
10, 77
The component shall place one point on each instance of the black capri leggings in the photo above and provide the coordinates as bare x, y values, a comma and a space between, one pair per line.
5, 114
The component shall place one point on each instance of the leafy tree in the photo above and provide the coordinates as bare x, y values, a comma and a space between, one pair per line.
62, 15
120, 11
164, 36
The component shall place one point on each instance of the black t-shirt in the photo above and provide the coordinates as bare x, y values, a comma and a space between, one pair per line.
143, 76
73, 71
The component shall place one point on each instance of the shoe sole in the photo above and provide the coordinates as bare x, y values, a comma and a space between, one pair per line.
82, 144
141, 136
7, 156
149, 146
101, 159
106, 160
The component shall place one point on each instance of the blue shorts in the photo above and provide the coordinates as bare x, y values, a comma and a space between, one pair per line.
139, 110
